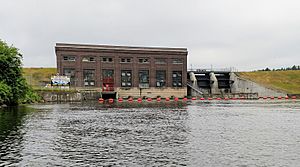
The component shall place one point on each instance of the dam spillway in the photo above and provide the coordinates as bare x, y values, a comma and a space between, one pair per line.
210, 82
222, 83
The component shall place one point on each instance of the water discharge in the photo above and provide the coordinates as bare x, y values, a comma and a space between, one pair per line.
198, 133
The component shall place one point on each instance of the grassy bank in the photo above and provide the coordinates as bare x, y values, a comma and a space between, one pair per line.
38, 77
287, 81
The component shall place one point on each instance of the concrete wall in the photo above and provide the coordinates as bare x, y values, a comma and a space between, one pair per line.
65, 96
214, 84
152, 92
241, 85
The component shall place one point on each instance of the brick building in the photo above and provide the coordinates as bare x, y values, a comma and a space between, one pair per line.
124, 71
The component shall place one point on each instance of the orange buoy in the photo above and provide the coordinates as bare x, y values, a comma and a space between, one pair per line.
218, 98
193, 98
202, 98
130, 99
176, 99
149, 99
158, 99
185, 99
120, 100
279, 97
101, 100
272, 97
286, 97
226, 98
167, 99
209, 98
139, 100
110, 100
294, 97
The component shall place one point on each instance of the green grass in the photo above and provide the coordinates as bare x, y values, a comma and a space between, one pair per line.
287, 81
38, 77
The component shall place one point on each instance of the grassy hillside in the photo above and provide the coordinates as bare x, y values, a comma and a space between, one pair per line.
38, 77
288, 81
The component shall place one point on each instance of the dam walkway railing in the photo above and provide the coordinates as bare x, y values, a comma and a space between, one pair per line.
196, 89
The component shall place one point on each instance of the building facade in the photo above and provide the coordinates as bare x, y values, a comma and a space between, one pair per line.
126, 71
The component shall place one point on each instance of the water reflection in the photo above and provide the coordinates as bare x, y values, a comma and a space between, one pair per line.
11, 134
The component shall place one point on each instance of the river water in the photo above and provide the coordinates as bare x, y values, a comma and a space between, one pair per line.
198, 133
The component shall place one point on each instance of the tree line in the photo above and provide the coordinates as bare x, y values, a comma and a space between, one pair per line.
294, 67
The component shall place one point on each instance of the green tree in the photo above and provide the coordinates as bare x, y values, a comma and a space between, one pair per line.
5, 92
13, 87
267, 69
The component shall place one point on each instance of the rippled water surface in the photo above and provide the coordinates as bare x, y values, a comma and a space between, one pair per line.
215, 133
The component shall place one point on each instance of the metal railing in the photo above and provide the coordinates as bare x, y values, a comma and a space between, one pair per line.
230, 69
197, 89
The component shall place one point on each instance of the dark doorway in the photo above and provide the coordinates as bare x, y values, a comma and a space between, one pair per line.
109, 95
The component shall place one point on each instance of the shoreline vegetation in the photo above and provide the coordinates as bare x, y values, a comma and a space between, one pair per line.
14, 89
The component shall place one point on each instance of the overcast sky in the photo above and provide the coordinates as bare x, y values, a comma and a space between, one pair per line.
245, 34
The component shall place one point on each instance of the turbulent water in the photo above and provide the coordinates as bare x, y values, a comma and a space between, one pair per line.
212, 133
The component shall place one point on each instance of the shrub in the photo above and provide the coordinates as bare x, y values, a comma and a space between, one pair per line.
13, 87
5, 93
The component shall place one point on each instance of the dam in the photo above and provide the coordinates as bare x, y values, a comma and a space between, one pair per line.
225, 83
147, 72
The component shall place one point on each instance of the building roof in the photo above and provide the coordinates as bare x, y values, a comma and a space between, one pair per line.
118, 48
